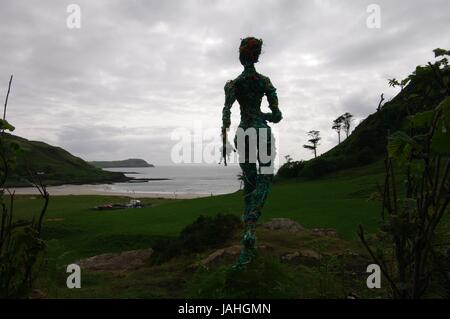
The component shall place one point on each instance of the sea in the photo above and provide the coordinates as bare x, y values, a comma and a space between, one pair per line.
192, 179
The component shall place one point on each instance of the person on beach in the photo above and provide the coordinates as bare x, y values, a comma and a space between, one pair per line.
254, 140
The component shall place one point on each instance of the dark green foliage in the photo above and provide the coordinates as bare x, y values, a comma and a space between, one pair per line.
291, 169
412, 211
21, 244
166, 248
265, 277
21, 252
316, 167
209, 232
204, 233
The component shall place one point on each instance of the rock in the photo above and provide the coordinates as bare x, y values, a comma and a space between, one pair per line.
228, 252
353, 262
352, 295
290, 257
304, 256
352, 254
122, 261
283, 224
231, 251
328, 232
38, 294
308, 253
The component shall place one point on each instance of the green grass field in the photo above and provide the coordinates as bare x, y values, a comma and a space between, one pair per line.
73, 231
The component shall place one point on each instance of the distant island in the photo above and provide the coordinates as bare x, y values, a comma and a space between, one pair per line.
131, 162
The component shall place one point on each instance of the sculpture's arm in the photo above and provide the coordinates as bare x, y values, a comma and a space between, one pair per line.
230, 98
271, 94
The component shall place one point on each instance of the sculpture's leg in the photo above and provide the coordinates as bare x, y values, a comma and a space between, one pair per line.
249, 175
256, 190
263, 185
266, 154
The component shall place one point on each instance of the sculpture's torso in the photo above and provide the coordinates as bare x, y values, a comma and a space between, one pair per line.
248, 89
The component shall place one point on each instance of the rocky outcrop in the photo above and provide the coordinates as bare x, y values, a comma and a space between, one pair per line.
303, 256
220, 254
289, 225
129, 260
126, 260
328, 232
38, 294
228, 252
284, 224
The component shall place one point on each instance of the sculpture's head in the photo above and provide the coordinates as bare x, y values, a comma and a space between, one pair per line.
249, 50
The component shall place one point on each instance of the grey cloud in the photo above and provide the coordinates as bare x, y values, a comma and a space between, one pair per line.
138, 69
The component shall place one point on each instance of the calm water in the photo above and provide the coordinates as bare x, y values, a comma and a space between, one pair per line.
184, 179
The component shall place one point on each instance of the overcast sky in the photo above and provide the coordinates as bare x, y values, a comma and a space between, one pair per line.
136, 71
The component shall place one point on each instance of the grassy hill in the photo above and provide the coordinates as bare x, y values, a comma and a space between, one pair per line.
367, 142
57, 165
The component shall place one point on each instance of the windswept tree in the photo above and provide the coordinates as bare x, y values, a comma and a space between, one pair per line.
337, 126
314, 138
394, 83
380, 104
288, 158
347, 120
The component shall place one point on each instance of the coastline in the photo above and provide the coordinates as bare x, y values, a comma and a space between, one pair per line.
104, 190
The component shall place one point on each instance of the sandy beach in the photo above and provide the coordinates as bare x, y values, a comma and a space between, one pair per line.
107, 190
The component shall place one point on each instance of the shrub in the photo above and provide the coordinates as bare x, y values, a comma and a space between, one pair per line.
317, 167
209, 232
204, 233
290, 169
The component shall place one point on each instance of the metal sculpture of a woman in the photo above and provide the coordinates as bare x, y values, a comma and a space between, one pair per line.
254, 140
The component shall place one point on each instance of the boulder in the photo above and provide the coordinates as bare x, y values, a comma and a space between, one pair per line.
222, 253
303, 256
121, 261
228, 252
285, 224
327, 232
38, 294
